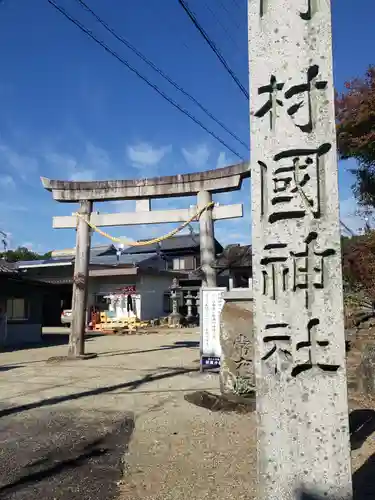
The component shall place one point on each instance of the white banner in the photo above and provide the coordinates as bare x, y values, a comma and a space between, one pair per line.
211, 304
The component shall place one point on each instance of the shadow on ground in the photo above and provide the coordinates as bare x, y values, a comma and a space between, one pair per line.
48, 340
63, 455
6, 368
364, 480
361, 426
132, 385
181, 344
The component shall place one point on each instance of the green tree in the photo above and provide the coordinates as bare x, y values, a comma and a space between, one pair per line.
23, 253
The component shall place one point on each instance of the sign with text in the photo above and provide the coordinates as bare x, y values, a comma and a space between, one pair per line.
211, 304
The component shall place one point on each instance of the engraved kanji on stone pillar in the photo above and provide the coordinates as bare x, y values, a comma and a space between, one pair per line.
299, 342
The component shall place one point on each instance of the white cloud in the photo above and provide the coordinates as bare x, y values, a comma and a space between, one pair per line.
82, 175
61, 162
97, 158
23, 165
222, 160
7, 181
197, 157
144, 155
94, 162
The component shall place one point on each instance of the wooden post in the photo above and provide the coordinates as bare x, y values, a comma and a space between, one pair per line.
80, 282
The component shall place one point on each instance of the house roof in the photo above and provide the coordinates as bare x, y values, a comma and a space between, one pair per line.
123, 259
179, 242
7, 267
106, 255
44, 263
55, 281
66, 257
95, 250
143, 261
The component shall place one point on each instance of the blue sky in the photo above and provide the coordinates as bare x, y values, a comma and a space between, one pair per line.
68, 110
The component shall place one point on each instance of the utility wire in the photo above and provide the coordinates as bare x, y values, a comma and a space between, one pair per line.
221, 58
350, 231
229, 13
158, 70
220, 24
236, 3
135, 71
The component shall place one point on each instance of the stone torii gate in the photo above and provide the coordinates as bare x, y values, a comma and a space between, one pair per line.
201, 184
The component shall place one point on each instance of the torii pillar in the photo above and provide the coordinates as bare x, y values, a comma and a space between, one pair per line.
80, 282
206, 239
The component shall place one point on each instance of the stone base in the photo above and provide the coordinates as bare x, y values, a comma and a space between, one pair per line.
236, 337
174, 320
60, 359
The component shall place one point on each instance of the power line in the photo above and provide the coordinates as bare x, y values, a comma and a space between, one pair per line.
229, 13
221, 58
236, 3
350, 231
136, 72
164, 75
220, 24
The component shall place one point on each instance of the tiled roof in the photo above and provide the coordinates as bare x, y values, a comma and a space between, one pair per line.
95, 250
7, 267
130, 259
181, 242
55, 281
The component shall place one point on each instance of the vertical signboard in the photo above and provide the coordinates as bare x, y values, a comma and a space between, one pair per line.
211, 304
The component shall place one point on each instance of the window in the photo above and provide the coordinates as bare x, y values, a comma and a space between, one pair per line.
183, 263
17, 309
179, 264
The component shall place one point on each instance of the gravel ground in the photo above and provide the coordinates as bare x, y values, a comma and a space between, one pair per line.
184, 451
118, 426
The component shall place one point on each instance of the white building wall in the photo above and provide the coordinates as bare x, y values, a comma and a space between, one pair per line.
152, 290
106, 284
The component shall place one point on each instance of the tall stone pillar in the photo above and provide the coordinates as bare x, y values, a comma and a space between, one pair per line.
303, 435
207, 240
80, 282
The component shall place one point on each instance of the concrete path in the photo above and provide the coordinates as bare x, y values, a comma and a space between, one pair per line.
65, 427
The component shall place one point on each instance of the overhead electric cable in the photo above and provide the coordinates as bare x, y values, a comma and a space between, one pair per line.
350, 231
229, 13
161, 72
223, 27
221, 58
135, 71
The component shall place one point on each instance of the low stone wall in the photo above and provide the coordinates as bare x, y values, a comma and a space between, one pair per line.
236, 338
